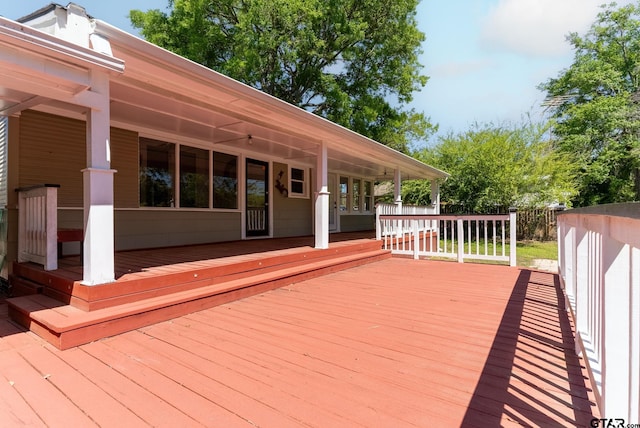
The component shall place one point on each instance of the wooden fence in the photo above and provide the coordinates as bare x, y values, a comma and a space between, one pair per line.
537, 224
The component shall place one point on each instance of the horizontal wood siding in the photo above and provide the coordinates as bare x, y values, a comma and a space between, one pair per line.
52, 150
124, 159
137, 229
354, 223
291, 216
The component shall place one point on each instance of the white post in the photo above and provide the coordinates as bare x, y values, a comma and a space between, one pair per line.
51, 215
416, 240
616, 340
460, 231
98, 190
569, 264
378, 225
322, 199
397, 190
512, 236
634, 334
582, 297
435, 196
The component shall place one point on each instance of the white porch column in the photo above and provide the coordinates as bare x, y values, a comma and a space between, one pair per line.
322, 199
397, 190
435, 196
98, 264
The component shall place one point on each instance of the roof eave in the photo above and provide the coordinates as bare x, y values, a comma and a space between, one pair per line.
325, 130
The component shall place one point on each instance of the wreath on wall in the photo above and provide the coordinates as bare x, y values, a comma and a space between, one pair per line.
280, 186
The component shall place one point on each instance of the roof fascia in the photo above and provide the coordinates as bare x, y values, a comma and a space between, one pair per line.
23, 37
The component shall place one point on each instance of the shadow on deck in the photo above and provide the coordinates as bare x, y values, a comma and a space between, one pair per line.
532, 374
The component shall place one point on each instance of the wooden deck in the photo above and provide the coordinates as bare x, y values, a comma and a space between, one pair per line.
396, 343
161, 284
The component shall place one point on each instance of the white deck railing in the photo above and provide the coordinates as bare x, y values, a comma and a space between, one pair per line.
478, 237
599, 267
391, 209
37, 225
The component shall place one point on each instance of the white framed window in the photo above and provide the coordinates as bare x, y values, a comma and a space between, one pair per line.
344, 194
157, 173
170, 172
368, 196
356, 192
298, 182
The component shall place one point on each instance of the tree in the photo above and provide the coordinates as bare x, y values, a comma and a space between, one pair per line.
497, 167
595, 105
352, 62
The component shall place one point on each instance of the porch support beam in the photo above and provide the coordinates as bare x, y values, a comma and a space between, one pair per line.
98, 259
435, 196
397, 190
322, 198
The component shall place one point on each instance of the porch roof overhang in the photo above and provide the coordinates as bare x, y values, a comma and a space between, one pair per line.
38, 68
158, 93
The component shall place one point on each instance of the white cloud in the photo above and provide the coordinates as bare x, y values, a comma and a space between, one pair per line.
537, 27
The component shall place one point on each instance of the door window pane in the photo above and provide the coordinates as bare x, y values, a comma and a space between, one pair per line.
257, 198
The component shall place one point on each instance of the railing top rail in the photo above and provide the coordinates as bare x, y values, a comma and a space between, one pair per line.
35, 186
628, 209
444, 217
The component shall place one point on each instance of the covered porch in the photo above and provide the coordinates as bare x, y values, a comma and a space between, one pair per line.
151, 150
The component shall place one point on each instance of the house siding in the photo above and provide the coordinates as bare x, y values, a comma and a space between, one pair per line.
125, 160
52, 150
137, 229
356, 223
291, 216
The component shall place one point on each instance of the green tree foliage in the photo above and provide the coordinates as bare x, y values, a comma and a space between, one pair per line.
494, 167
352, 62
595, 105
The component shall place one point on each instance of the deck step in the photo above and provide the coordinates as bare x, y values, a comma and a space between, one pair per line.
158, 280
66, 326
21, 286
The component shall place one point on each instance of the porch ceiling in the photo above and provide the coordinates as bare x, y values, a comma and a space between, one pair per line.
161, 94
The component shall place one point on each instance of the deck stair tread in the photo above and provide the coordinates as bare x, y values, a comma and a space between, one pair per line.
154, 281
65, 325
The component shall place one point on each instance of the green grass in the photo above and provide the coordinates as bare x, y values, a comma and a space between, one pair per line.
528, 250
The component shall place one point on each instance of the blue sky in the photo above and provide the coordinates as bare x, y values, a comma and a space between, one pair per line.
485, 58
